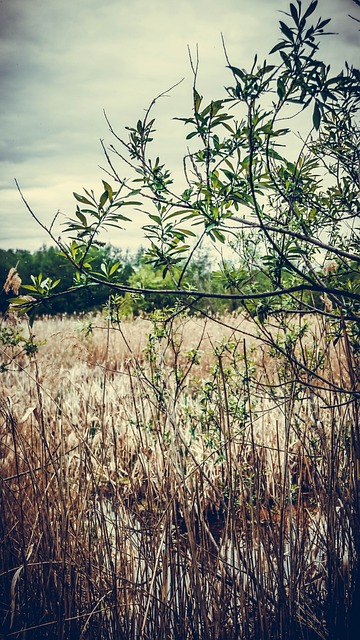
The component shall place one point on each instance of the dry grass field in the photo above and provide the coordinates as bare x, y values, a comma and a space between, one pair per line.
176, 481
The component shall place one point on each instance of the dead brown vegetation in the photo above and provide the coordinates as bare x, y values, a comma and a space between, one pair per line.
175, 481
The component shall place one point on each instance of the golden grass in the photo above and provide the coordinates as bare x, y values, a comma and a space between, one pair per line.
174, 484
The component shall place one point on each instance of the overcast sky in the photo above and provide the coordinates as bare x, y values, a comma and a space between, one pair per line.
63, 61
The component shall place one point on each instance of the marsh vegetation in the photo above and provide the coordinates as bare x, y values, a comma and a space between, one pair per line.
194, 473
174, 480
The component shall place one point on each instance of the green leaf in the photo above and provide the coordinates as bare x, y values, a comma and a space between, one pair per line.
286, 31
29, 287
316, 116
266, 69
227, 126
92, 212
229, 174
156, 219
294, 13
215, 107
114, 268
280, 45
237, 72
81, 217
323, 23
197, 101
121, 217
218, 235
82, 199
310, 9
274, 154
103, 198
281, 90
109, 190
187, 232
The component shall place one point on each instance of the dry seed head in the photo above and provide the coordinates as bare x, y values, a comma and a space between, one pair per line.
13, 281
327, 302
330, 267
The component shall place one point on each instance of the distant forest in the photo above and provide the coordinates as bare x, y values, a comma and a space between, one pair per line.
135, 271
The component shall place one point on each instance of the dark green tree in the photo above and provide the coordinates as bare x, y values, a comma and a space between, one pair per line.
54, 268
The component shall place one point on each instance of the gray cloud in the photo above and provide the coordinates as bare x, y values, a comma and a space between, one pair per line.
63, 62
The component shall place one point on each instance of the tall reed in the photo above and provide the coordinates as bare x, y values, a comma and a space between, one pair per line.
177, 480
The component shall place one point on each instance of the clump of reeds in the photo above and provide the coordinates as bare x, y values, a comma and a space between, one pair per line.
176, 481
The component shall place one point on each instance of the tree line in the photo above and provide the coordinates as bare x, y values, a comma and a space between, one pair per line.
135, 271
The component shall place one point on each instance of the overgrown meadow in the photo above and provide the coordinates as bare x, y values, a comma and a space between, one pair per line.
172, 479
194, 474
